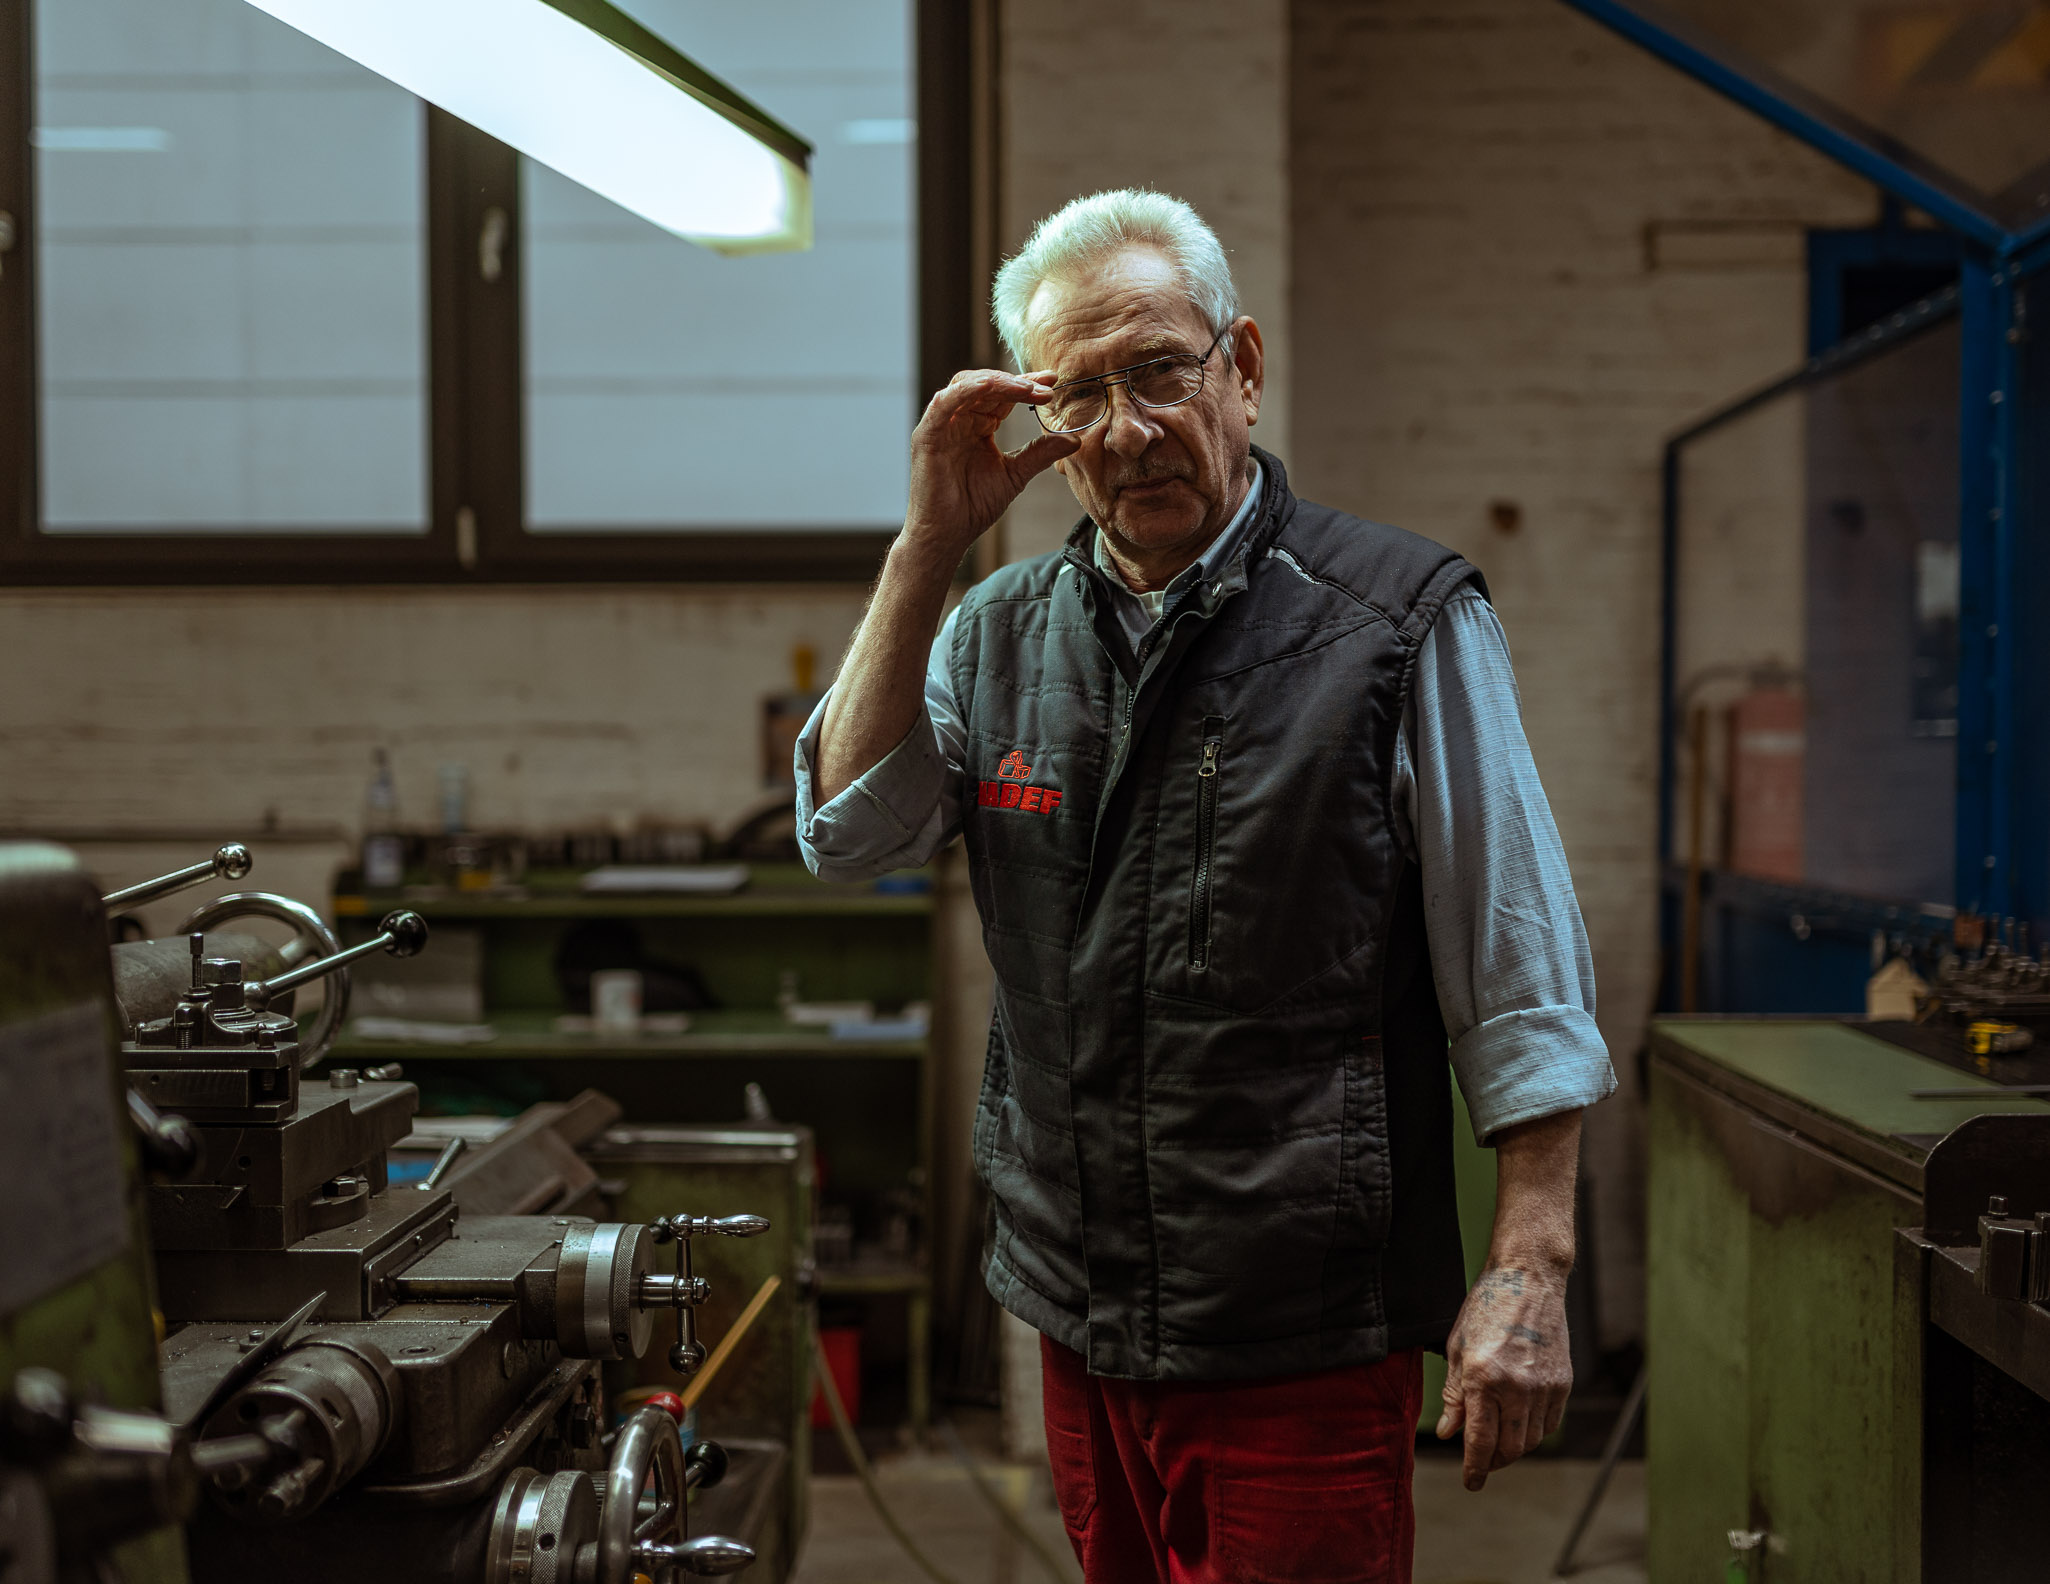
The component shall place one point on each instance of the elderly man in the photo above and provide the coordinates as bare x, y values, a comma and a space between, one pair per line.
1253, 830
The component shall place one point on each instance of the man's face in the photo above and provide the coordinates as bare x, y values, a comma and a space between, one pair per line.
1156, 479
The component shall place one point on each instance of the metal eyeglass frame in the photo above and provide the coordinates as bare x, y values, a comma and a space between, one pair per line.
1123, 376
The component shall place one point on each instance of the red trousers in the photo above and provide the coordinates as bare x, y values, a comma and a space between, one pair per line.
1302, 1479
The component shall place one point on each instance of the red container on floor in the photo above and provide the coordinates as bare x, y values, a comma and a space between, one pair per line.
843, 1355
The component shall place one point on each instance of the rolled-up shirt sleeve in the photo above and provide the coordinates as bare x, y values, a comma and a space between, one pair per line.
1509, 952
905, 808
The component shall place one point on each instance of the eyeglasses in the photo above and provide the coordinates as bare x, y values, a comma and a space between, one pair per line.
1159, 382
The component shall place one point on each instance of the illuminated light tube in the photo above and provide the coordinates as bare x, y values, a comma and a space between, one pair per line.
584, 89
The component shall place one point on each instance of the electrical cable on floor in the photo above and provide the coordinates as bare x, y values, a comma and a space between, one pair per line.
1048, 1559
851, 1445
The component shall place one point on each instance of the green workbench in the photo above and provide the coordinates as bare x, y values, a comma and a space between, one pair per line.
1785, 1391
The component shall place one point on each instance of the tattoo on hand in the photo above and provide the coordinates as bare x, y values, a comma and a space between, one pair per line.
1524, 1333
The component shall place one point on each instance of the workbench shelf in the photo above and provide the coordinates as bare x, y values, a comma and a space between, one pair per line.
877, 1276
722, 1033
772, 891
867, 1101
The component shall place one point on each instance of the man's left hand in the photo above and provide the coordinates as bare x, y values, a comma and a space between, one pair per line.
1508, 1367
1509, 1371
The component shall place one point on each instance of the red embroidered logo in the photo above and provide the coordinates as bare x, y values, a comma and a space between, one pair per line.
1013, 791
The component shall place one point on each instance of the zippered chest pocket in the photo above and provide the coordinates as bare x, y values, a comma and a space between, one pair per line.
1207, 770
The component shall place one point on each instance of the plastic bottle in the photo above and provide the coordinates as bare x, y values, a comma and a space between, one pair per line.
384, 852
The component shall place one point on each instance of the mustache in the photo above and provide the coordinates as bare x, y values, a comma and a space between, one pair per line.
1148, 474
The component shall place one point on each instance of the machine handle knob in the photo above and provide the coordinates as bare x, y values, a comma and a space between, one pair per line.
708, 1556
36, 1416
231, 860
678, 1227
704, 1465
400, 934
170, 1144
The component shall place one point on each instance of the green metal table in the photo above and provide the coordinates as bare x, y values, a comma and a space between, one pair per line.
1785, 1389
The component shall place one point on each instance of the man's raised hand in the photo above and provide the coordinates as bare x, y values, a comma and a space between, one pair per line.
961, 479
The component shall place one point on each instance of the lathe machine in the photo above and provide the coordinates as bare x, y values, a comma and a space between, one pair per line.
354, 1381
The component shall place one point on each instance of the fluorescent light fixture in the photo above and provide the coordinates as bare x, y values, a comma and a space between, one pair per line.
880, 129
584, 89
101, 140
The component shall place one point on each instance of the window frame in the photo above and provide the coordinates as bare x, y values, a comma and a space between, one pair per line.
476, 409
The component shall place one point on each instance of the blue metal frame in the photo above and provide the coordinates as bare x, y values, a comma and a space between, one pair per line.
2002, 857
1869, 152
1833, 254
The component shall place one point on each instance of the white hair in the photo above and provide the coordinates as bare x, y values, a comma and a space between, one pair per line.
1086, 231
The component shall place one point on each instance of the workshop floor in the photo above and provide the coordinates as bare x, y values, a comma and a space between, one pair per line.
1508, 1534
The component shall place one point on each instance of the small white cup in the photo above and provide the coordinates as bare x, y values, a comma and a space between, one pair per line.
616, 1001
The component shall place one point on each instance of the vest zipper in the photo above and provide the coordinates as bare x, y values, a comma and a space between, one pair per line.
1206, 842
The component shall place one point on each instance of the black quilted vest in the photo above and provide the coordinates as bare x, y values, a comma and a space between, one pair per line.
1216, 1118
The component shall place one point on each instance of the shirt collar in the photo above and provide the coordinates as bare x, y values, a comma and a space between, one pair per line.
1220, 550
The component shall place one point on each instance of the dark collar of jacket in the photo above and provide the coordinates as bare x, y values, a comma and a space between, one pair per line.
1272, 514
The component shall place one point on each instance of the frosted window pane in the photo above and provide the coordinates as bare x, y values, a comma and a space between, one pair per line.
232, 280
670, 388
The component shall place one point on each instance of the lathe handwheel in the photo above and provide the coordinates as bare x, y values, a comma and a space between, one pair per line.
313, 937
647, 1444
643, 1532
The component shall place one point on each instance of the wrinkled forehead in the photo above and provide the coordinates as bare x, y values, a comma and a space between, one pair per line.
1122, 311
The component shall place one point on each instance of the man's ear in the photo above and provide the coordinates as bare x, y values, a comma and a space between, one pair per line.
1249, 367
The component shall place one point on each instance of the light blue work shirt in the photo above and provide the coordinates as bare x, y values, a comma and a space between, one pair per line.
1509, 953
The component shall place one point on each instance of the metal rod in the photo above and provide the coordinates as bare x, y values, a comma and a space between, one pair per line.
1619, 1435
402, 934
442, 1162
1938, 307
2004, 893
1983, 1092
231, 860
1984, 753
319, 968
230, 1455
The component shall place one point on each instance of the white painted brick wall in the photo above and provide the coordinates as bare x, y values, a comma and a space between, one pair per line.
571, 707
1188, 96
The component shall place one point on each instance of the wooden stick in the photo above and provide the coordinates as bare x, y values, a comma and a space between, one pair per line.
730, 1341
